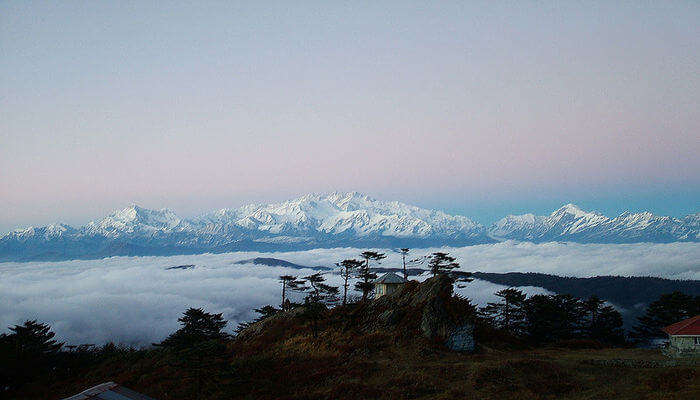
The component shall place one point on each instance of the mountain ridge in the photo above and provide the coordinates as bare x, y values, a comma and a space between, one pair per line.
570, 223
326, 220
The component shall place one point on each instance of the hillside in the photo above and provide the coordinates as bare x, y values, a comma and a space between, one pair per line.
396, 347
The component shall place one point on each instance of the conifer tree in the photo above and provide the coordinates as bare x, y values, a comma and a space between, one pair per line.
404, 253
197, 326
319, 291
601, 322
348, 268
668, 309
289, 282
319, 296
552, 317
29, 349
365, 274
35, 339
265, 312
440, 263
509, 313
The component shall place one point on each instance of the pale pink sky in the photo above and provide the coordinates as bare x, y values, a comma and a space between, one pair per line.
482, 109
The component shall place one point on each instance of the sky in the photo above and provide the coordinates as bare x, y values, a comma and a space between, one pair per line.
480, 108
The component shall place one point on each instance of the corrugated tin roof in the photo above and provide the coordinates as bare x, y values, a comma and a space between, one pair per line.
389, 277
109, 391
690, 326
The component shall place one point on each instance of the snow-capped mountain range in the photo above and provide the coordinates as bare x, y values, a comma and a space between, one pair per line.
325, 220
571, 224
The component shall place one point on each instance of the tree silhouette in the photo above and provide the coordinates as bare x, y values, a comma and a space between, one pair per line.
509, 313
35, 338
348, 267
319, 296
197, 326
265, 312
601, 322
668, 309
319, 291
440, 263
366, 284
29, 349
404, 252
552, 317
292, 283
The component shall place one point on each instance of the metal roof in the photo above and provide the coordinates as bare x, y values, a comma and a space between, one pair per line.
690, 327
109, 391
389, 277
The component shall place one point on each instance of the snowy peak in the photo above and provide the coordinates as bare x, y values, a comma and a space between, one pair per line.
571, 223
572, 210
133, 219
49, 232
344, 213
337, 219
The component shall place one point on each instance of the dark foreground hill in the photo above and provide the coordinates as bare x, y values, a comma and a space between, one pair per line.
396, 347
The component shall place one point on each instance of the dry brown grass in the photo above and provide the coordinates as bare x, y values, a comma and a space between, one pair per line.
346, 363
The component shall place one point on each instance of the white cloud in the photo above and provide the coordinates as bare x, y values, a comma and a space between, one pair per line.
135, 300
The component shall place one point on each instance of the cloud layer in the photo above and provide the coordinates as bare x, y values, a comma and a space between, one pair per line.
135, 300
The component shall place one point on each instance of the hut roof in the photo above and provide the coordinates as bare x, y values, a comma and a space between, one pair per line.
109, 391
690, 326
389, 277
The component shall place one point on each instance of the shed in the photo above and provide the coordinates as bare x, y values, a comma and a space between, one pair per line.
684, 337
109, 391
386, 284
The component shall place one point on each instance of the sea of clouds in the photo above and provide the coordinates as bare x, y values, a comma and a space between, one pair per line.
136, 300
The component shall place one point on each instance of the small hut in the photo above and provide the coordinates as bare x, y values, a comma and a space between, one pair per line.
684, 337
386, 284
109, 391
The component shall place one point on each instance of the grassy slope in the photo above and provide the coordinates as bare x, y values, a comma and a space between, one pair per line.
285, 362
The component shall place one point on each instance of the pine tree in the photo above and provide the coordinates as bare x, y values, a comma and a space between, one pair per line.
348, 267
292, 283
509, 313
319, 296
404, 253
197, 326
35, 339
440, 263
319, 291
29, 349
265, 312
365, 274
552, 317
601, 322
668, 309
200, 365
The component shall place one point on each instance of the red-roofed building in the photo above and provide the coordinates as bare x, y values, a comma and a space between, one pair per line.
684, 337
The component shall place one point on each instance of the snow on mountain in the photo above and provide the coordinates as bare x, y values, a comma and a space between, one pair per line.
344, 213
134, 219
326, 220
570, 223
49, 232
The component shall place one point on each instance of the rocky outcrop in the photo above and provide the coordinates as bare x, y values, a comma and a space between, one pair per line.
429, 309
